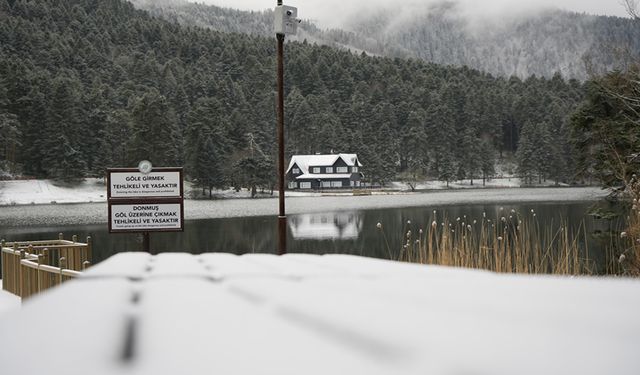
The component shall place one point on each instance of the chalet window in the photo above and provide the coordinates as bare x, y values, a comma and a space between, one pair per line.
293, 185
329, 169
354, 169
316, 169
336, 183
296, 171
305, 185
326, 184
342, 169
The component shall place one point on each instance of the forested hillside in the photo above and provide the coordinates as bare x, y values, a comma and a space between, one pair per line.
540, 43
86, 84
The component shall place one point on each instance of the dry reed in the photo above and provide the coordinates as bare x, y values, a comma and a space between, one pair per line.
510, 243
629, 260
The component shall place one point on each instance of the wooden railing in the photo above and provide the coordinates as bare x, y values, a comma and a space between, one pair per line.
33, 266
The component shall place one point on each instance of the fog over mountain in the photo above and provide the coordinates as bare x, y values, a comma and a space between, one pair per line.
338, 13
498, 37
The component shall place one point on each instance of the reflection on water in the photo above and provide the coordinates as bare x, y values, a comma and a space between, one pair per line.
349, 232
332, 225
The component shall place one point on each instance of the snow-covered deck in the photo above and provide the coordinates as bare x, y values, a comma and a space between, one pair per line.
8, 302
332, 314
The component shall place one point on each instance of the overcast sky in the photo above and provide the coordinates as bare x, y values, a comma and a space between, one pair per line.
331, 13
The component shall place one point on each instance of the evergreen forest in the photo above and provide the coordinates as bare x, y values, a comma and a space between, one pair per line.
90, 84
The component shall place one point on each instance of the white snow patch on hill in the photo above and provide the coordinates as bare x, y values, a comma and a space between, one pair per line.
47, 192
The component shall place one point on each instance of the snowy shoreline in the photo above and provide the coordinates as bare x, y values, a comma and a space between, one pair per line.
94, 190
96, 213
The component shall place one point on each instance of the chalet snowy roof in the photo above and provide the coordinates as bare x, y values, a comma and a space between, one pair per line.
306, 161
323, 176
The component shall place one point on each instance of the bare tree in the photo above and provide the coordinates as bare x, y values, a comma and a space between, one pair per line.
631, 6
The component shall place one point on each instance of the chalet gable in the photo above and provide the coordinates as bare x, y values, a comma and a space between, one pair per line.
306, 163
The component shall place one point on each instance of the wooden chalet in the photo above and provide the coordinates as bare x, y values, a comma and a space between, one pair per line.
316, 172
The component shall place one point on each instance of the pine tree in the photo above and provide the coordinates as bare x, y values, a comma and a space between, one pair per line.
447, 166
65, 162
606, 129
487, 160
62, 146
9, 140
155, 134
208, 172
413, 156
525, 155
470, 154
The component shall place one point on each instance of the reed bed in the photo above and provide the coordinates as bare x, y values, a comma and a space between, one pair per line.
629, 260
509, 243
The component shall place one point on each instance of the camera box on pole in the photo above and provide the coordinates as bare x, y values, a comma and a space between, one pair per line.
286, 21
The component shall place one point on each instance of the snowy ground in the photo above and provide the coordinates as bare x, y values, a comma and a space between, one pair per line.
25, 192
503, 182
332, 314
46, 192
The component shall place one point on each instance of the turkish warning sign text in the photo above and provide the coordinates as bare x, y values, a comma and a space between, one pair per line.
136, 185
146, 217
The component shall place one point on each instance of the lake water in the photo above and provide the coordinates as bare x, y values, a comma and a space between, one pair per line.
346, 232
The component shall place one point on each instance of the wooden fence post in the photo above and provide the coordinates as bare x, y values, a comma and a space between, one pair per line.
20, 281
63, 264
39, 258
89, 249
4, 266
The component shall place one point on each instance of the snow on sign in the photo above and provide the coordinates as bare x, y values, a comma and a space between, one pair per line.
130, 183
151, 216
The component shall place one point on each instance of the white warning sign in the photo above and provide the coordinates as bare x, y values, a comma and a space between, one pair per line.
146, 217
165, 184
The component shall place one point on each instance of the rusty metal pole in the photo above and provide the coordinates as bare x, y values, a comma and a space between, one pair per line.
146, 242
282, 218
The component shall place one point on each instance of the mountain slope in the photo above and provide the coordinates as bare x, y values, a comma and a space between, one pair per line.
541, 43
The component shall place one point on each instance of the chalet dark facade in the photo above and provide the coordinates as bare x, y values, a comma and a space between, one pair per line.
317, 172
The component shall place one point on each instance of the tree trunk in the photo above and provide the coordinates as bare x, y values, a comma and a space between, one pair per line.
254, 191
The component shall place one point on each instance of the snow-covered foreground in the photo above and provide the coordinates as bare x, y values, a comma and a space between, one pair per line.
8, 301
306, 314
96, 213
